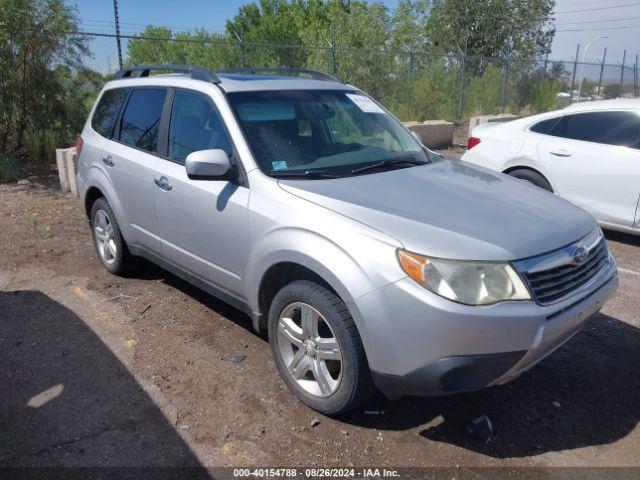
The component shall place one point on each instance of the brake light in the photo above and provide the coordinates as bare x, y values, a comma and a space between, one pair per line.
79, 143
472, 142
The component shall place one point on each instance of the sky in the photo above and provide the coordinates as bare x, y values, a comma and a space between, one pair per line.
577, 21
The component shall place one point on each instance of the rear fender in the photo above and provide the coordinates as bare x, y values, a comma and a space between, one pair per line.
97, 178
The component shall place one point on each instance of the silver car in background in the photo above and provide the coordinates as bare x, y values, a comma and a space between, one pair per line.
370, 261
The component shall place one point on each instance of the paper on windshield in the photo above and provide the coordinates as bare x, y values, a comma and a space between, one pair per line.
364, 103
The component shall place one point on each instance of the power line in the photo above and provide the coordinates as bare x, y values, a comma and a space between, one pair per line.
597, 21
581, 3
143, 25
599, 8
596, 29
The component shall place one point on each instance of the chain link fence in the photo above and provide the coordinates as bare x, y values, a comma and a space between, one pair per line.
415, 85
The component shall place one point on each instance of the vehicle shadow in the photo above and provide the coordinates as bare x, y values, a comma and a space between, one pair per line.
622, 237
66, 400
586, 393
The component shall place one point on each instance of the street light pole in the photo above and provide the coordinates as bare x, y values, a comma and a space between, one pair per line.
584, 59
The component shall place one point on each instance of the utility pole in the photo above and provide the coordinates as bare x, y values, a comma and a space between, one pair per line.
410, 69
241, 28
604, 58
334, 66
505, 76
462, 74
544, 70
115, 13
573, 76
624, 58
635, 78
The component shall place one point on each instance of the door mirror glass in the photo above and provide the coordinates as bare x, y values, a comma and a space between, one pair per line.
207, 164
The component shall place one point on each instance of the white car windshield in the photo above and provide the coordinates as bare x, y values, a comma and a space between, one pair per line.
323, 134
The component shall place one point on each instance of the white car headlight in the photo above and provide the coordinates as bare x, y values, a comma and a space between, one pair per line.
468, 282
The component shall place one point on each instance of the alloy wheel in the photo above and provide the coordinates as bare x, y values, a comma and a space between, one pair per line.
309, 349
105, 238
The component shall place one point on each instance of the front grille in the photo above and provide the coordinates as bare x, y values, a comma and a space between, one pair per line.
555, 283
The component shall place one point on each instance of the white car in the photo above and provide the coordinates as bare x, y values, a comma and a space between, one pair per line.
588, 153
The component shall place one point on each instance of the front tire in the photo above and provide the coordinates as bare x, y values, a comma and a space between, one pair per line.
317, 348
111, 248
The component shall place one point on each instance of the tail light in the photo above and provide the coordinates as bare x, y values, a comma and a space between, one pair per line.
79, 143
472, 142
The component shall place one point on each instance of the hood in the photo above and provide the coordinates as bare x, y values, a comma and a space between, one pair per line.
453, 209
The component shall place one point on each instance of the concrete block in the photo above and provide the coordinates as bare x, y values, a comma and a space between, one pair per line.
479, 120
433, 133
72, 169
67, 162
63, 174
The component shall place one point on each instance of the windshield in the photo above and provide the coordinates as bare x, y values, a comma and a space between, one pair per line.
323, 134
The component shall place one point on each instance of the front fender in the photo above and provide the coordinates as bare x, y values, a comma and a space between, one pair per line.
354, 269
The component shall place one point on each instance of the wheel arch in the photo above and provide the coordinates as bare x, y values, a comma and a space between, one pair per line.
277, 277
98, 185
531, 169
311, 257
92, 194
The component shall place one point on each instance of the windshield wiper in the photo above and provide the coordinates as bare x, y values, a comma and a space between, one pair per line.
302, 174
389, 163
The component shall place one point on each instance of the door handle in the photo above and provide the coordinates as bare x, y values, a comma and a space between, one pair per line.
561, 153
163, 183
108, 161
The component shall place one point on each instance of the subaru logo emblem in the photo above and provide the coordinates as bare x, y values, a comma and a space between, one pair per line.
580, 255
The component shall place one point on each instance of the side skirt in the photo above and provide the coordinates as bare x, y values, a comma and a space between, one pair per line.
193, 279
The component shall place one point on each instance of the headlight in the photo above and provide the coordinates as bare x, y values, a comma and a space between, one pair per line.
471, 283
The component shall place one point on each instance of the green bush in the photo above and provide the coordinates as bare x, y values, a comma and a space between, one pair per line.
9, 168
544, 96
40, 148
434, 94
33, 141
50, 144
483, 95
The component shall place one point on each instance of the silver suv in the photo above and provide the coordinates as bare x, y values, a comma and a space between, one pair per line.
371, 261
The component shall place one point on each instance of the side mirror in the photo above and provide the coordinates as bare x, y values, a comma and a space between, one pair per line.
207, 164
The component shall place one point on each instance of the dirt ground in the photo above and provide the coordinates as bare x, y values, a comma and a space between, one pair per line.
146, 370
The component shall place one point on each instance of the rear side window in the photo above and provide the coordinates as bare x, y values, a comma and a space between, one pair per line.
195, 125
545, 126
141, 118
106, 113
609, 128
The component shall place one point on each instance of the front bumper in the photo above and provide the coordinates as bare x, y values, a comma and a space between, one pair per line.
418, 343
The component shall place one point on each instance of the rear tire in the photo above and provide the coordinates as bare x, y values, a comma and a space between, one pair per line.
532, 177
317, 348
111, 248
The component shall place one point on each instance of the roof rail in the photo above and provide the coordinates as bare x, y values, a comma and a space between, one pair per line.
196, 73
312, 73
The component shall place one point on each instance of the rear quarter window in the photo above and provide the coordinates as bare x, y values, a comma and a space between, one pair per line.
106, 113
545, 126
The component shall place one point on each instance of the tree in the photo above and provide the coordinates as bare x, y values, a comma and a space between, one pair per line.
159, 45
34, 40
409, 25
492, 28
